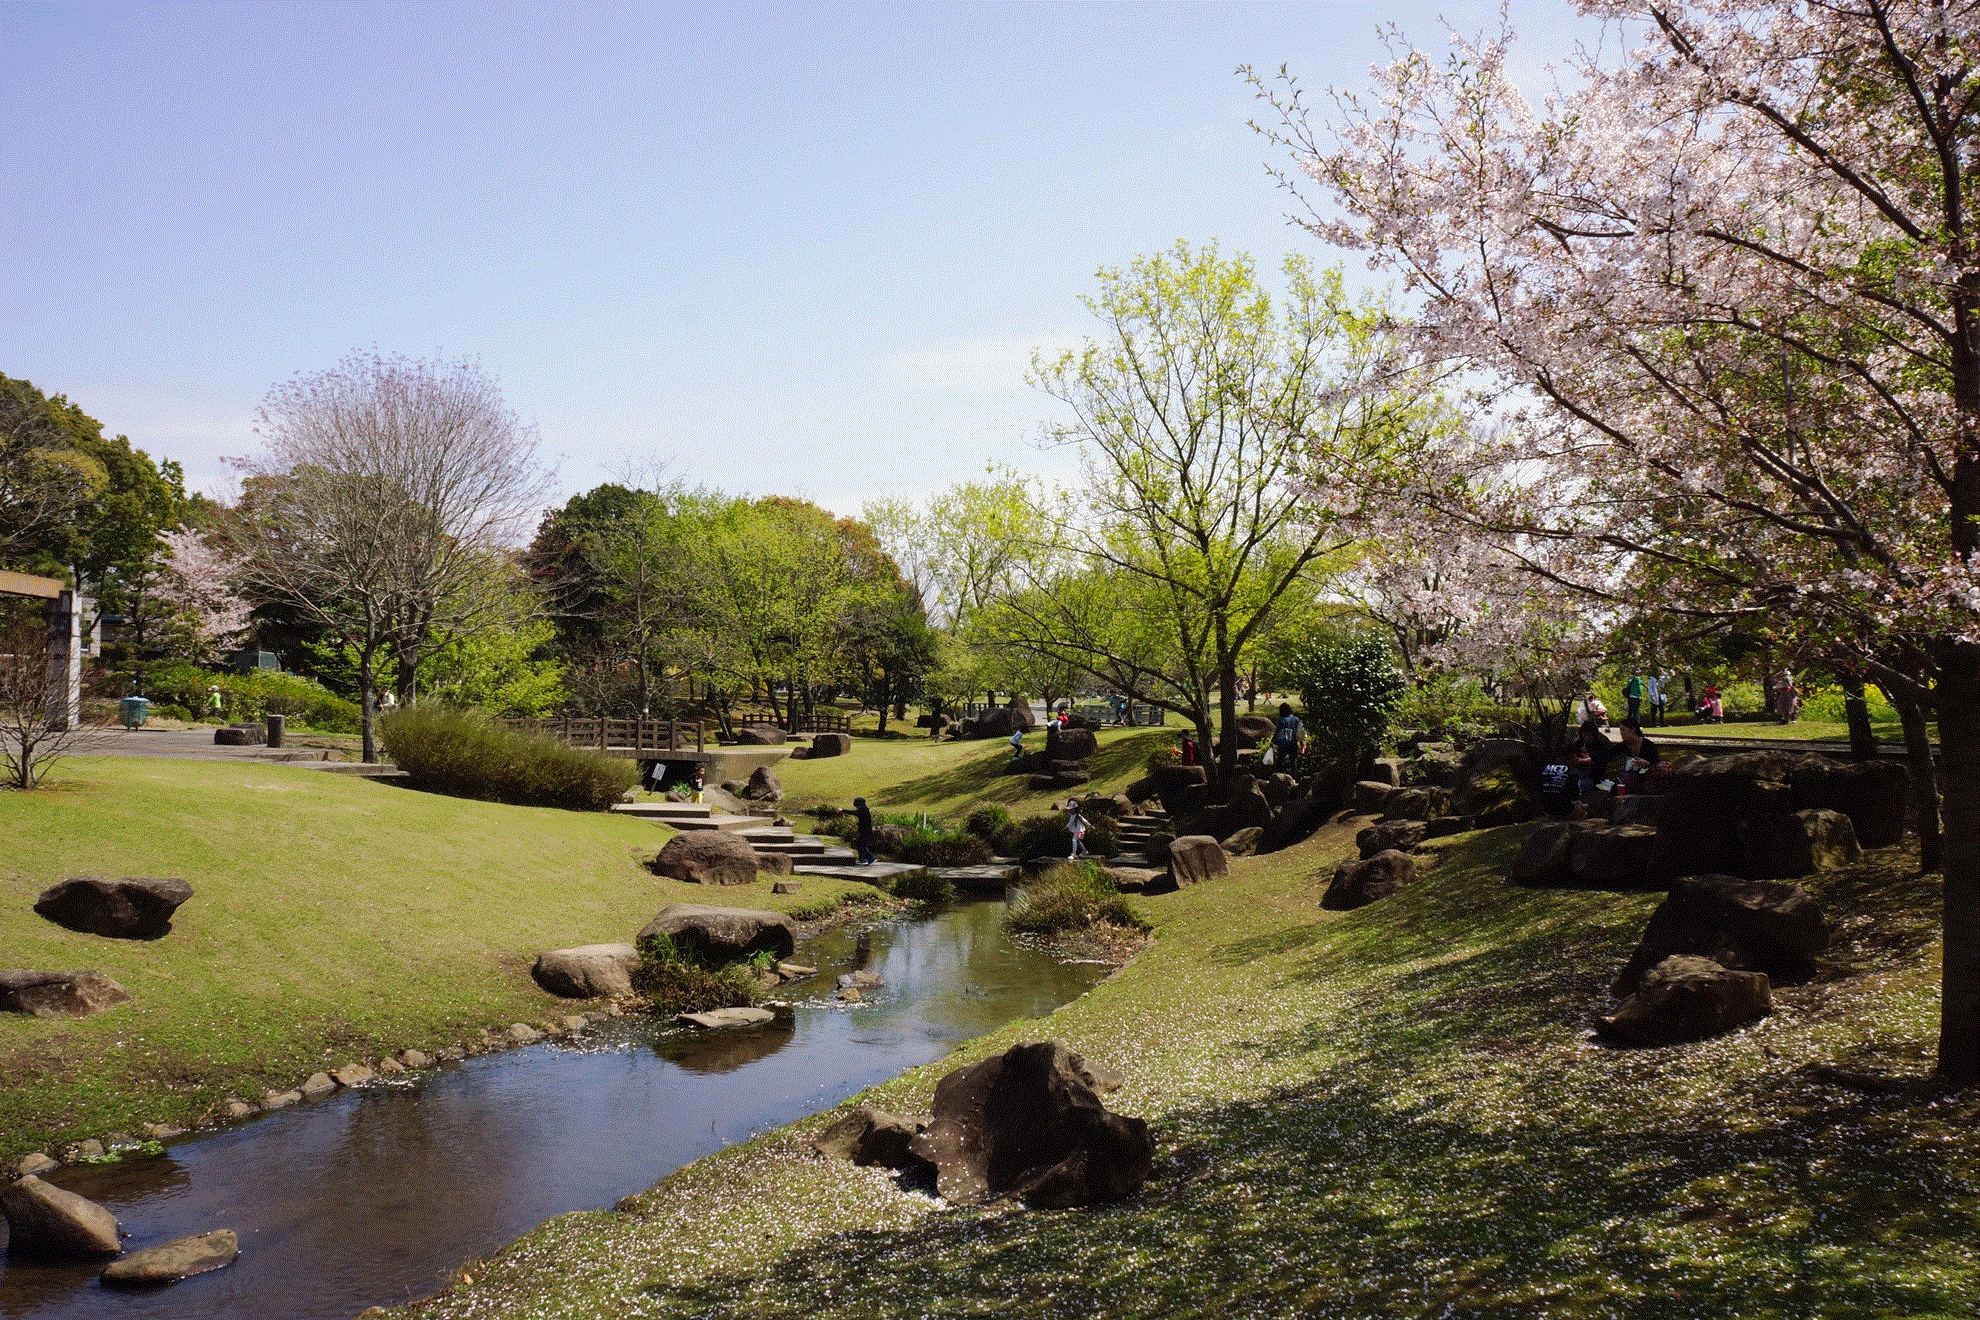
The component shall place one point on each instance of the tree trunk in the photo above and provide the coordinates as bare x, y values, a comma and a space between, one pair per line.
1856, 710
1958, 704
368, 703
1226, 708
1924, 781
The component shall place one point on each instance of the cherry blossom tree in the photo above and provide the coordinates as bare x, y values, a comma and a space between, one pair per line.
196, 586
1721, 294
385, 489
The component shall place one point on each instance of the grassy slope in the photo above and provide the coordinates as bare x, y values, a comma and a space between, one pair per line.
1390, 1112
948, 778
333, 919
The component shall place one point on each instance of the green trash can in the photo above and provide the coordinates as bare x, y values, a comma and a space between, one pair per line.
134, 710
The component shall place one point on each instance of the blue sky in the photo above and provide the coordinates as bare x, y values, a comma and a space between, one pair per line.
794, 249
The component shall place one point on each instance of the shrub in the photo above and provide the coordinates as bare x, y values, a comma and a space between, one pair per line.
673, 981
1073, 897
463, 753
1349, 689
931, 847
921, 887
989, 823
1046, 836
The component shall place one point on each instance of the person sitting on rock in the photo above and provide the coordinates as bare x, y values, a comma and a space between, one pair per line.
1591, 756
1639, 755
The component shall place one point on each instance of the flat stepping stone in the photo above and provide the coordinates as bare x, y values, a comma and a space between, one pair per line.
851, 871
172, 1261
726, 1017
988, 879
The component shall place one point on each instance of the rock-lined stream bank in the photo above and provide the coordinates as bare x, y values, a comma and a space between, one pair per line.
374, 1195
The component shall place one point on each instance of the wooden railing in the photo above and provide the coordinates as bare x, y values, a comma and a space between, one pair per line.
619, 735
823, 721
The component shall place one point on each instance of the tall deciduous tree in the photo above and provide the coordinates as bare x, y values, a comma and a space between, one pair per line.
1202, 412
1734, 274
384, 488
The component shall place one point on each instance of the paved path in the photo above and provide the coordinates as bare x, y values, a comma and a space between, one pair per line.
194, 744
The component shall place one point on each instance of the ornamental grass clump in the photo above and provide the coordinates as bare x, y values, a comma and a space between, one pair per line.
922, 887
673, 980
1073, 897
927, 846
463, 753
991, 823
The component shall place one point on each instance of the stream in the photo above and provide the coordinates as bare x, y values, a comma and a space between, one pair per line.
373, 1196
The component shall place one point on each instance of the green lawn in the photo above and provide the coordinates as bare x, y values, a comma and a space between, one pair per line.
1390, 1112
333, 919
948, 778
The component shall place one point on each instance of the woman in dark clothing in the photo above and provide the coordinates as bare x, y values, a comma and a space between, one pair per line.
863, 817
1639, 751
1591, 756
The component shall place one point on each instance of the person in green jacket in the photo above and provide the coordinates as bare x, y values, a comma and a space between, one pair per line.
1634, 693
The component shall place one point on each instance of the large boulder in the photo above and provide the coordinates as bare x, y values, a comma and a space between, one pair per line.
1612, 857
588, 971
1245, 842
1370, 796
1195, 858
1181, 788
1026, 1123
761, 735
1804, 842
58, 994
1295, 821
172, 1261
830, 744
1546, 858
868, 1136
1733, 815
763, 786
1069, 744
1414, 804
1003, 721
240, 735
45, 1221
1873, 794
1685, 999
1707, 803
1360, 882
1393, 835
129, 909
1746, 925
707, 857
723, 935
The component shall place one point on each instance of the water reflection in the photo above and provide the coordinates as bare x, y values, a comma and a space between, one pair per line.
371, 1197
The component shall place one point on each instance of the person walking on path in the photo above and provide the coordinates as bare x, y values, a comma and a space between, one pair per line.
1653, 692
1285, 741
1075, 826
1633, 694
863, 837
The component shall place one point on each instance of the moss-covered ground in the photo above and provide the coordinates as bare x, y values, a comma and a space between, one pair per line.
333, 919
1397, 1111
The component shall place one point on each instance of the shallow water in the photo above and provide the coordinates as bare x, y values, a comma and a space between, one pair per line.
372, 1197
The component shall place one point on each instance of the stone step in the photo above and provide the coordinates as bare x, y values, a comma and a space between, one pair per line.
733, 824
669, 811
851, 870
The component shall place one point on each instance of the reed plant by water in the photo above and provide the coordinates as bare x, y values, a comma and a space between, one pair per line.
1071, 897
673, 980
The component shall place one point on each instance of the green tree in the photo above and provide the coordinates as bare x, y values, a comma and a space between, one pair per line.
1205, 412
